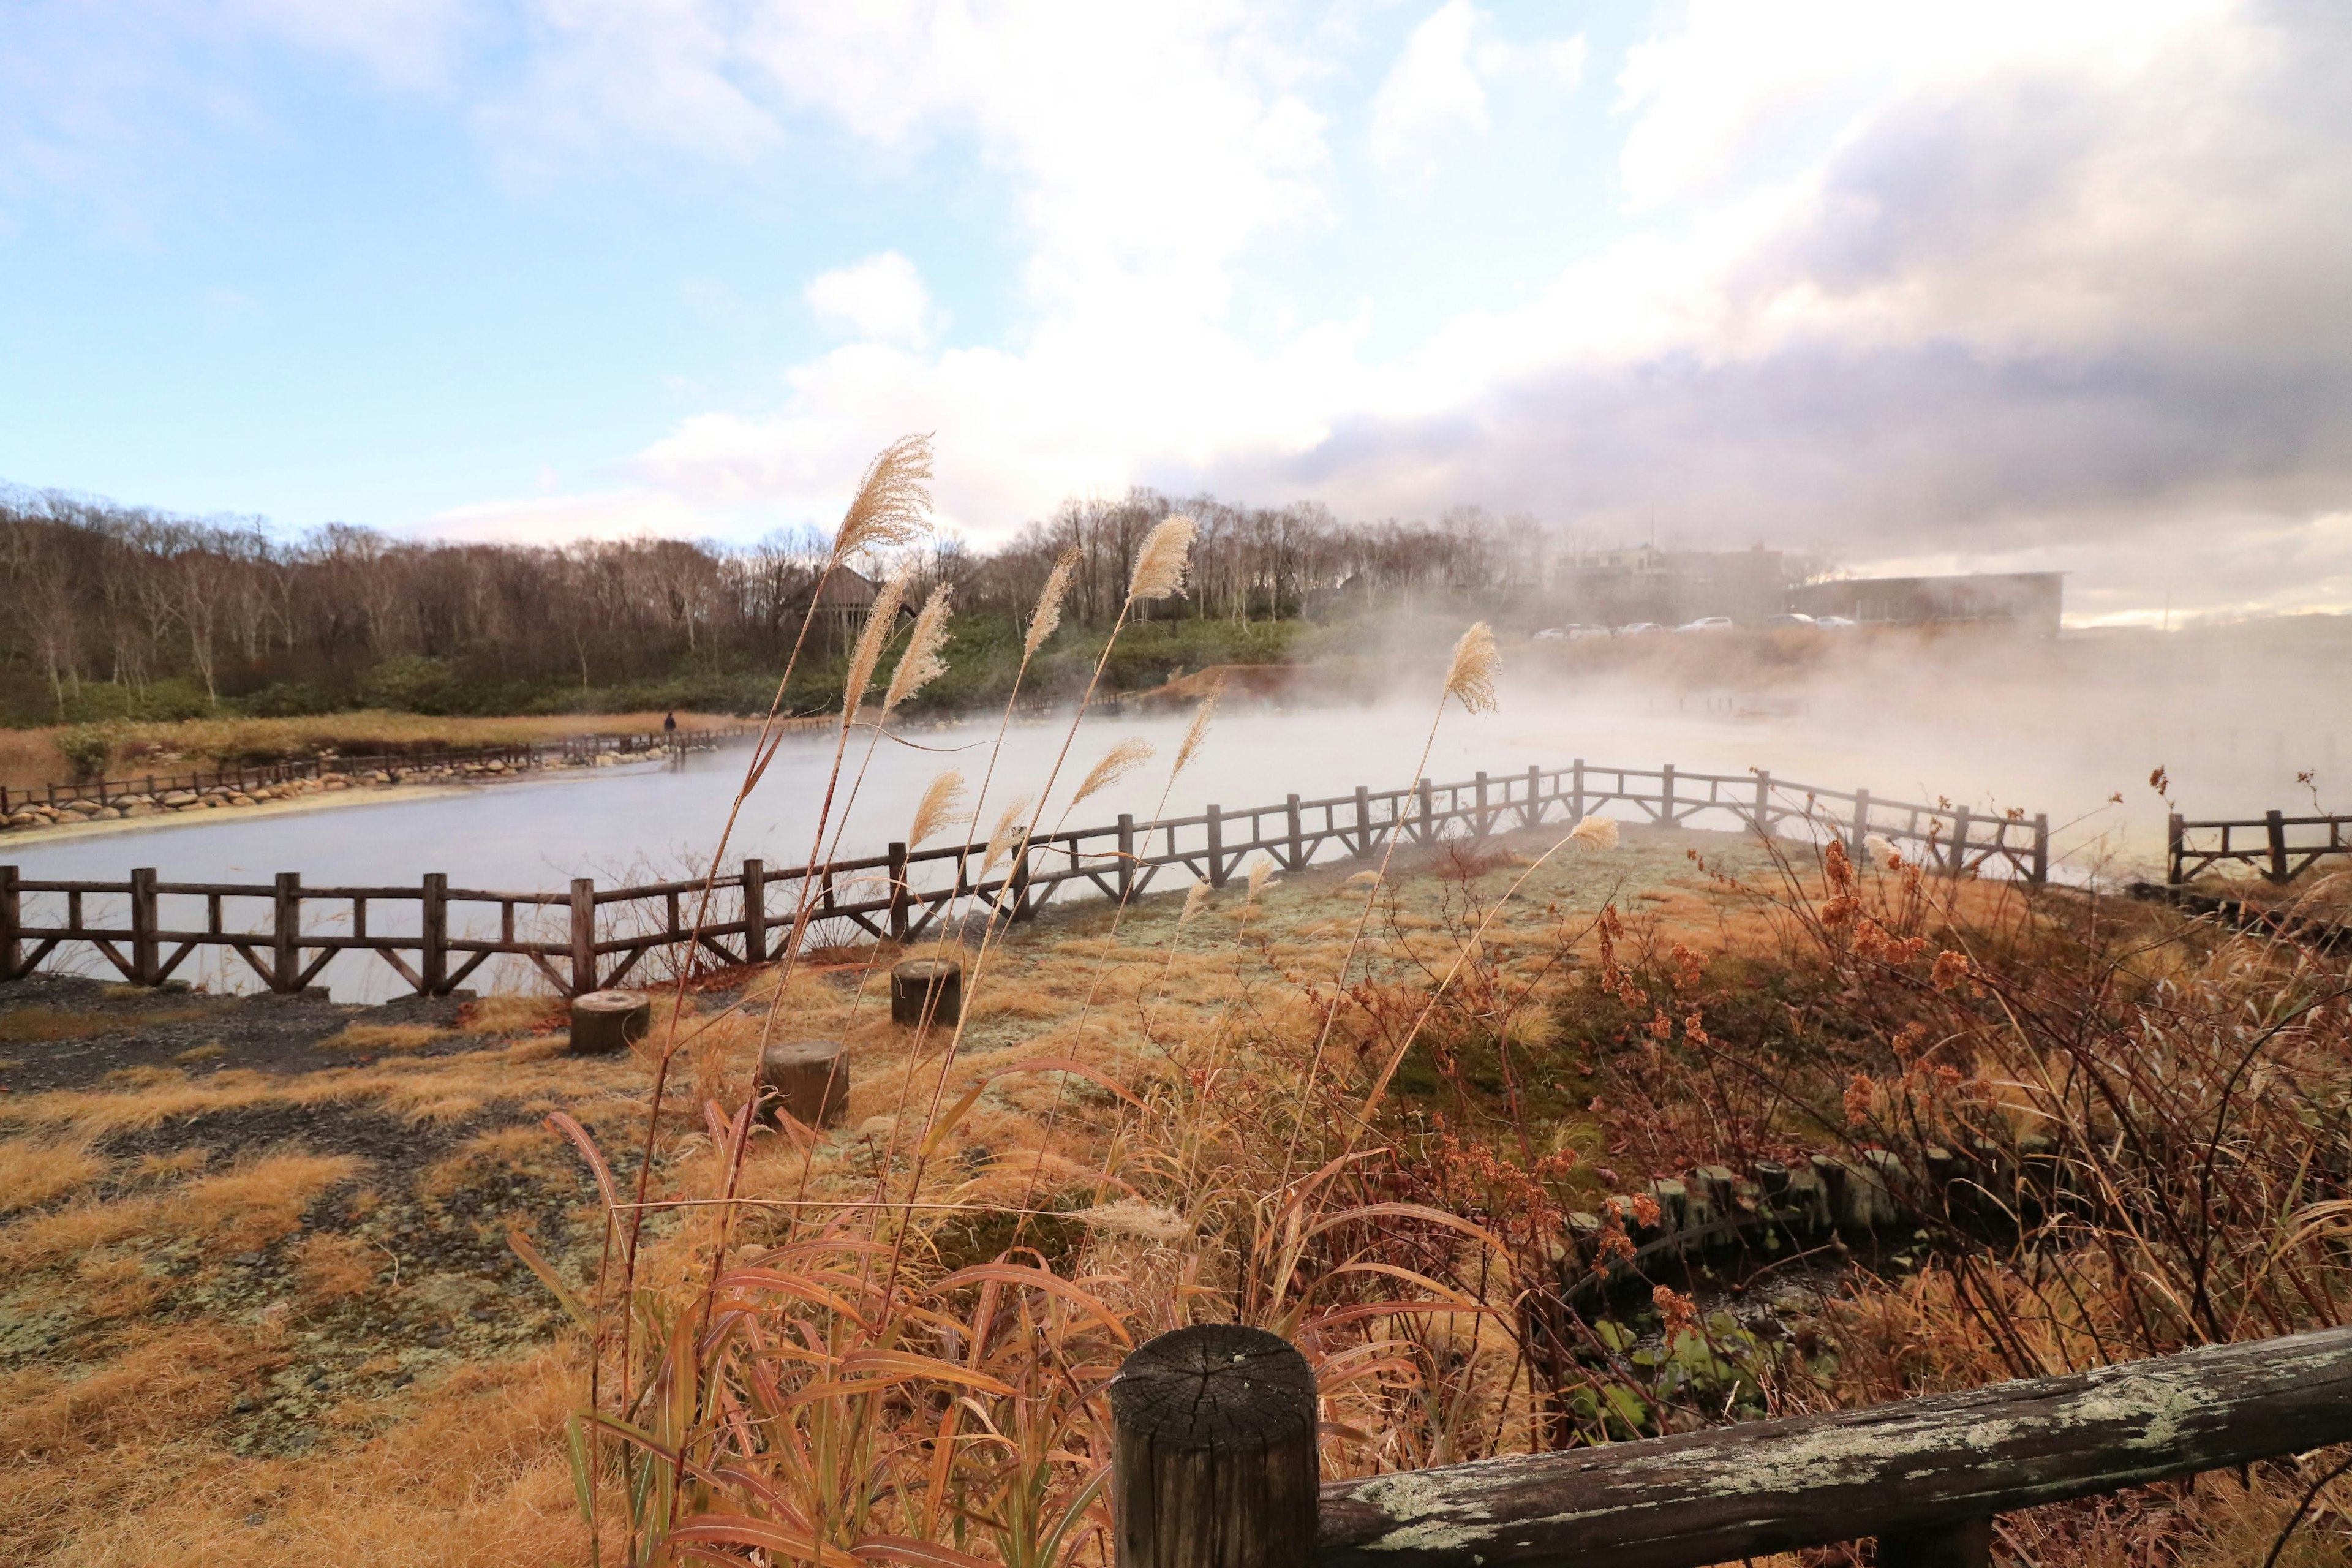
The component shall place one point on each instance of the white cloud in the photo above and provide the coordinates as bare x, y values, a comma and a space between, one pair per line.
881, 299
1431, 92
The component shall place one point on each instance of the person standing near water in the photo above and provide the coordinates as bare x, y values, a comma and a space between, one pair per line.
669, 730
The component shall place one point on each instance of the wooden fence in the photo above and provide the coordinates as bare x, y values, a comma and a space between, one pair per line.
1214, 1465
587, 937
566, 753
2283, 847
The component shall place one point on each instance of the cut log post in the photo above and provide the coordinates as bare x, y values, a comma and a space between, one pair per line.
926, 990
1213, 1461
605, 1021
807, 1080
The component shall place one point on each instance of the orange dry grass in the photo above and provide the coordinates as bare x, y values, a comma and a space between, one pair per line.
35, 1170
383, 1038
236, 1211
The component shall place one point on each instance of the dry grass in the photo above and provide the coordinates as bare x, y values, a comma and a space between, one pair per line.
381, 1037
511, 1014
33, 1171
29, 1025
236, 1211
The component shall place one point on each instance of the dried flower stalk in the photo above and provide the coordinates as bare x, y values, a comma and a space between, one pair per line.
1048, 614
1470, 680
1121, 760
922, 663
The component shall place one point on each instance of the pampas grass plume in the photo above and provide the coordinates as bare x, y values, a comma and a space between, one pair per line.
1196, 899
1260, 870
1199, 732
1883, 851
1121, 760
880, 621
937, 810
1048, 614
1008, 829
892, 508
1160, 564
1470, 680
922, 663
1595, 832
1132, 1216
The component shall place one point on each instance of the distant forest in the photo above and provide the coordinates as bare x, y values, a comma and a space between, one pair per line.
123, 613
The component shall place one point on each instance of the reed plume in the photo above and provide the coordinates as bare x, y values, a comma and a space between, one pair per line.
892, 508
880, 621
920, 663
1009, 830
1260, 870
1160, 564
941, 802
1199, 732
1595, 832
1048, 614
1121, 760
1883, 851
1470, 680
1196, 899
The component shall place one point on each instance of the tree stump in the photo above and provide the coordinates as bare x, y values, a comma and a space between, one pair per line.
927, 989
1213, 1462
808, 1079
604, 1021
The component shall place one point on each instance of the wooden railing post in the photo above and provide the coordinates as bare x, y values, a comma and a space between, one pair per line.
1480, 783
1576, 801
583, 935
1856, 848
146, 953
1428, 798
1666, 795
1533, 815
1763, 803
285, 933
1213, 1461
2175, 835
2040, 872
432, 922
1363, 823
755, 912
898, 892
1957, 858
1294, 856
11, 923
1126, 855
1216, 846
2274, 821
1966, 1544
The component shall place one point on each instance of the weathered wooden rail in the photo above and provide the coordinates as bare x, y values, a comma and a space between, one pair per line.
1214, 1421
2284, 847
537, 754
587, 937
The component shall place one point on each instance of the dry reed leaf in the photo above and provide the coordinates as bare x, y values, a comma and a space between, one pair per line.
1595, 832
1160, 564
892, 508
881, 619
921, 664
1008, 833
939, 809
1048, 612
1470, 679
1122, 759
1198, 731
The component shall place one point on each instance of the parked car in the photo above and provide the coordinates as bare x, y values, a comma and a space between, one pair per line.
1637, 628
1707, 624
1553, 634
1832, 623
1803, 622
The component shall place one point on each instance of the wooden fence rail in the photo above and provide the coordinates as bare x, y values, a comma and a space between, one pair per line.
2283, 847
537, 754
588, 938
1925, 1476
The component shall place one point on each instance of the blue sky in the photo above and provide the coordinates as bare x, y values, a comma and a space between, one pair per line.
2001, 285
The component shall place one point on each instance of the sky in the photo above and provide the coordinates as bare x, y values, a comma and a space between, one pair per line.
2001, 285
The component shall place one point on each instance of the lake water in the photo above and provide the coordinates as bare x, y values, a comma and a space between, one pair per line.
654, 821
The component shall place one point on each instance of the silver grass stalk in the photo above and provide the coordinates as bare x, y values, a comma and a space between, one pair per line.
938, 809
880, 621
1260, 870
892, 508
1048, 614
1121, 760
1595, 832
921, 664
1160, 564
1196, 899
1199, 732
1008, 832
1470, 680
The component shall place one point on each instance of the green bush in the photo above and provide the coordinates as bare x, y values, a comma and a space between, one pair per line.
85, 749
